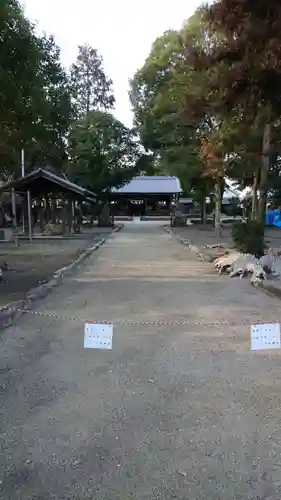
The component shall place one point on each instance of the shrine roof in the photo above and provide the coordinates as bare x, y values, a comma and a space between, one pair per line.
150, 185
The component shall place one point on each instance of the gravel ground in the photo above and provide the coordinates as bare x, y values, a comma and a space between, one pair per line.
33, 264
172, 412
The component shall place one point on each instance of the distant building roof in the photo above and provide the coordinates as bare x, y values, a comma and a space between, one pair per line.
150, 185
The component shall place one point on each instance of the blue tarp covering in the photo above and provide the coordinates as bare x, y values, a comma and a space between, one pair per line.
273, 218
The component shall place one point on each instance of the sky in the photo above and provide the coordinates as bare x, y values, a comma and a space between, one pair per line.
122, 31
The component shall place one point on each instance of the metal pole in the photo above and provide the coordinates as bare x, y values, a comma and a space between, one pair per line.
22, 174
29, 216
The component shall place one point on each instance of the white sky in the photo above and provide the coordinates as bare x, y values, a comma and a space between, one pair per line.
122, 30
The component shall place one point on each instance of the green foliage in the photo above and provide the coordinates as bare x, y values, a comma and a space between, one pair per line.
35, 104
18, 62
207, 100
91, 88
172, 109
248, 237
45, 141
145, 164
249, 73
103, 152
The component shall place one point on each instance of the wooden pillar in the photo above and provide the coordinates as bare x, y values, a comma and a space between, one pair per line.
14, 209
64, 214
48, 210
53, 210
157, 207
79, 217
41, 215
74, 221
69, 214
73, 203
24, 212
144, 207
29, 212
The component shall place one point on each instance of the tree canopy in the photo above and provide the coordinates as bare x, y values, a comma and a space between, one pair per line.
60, 119
247, 73
206, 104
170, 101
207, 99
35, 101
103, 152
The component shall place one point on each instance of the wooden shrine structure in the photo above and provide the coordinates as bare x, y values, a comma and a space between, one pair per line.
47, 199
145, 196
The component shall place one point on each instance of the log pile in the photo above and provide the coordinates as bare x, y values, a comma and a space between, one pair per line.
235, 263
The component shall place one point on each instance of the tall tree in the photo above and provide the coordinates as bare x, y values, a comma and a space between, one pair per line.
35, 102
169, 101
179, 112
103, 152
44, 140
248, 76
19, 58
91, 88
54, 109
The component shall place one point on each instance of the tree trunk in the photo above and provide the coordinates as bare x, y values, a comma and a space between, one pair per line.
88, 95
222, 189
255, 194
264, 171
217, 213
203, 209
104, 218
41, 215
64, 215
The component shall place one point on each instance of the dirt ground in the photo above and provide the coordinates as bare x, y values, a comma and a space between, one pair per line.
204, 235
32, 264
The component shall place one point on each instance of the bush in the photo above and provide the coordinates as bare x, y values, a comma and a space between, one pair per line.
248, 237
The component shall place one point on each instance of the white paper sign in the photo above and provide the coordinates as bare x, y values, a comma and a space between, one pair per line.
265, 336
98, 336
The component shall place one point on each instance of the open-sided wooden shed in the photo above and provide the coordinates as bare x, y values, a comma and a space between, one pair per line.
44, 191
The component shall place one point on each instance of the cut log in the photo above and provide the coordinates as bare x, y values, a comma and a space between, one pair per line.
259, 275
224, 263
239, 264
267, 261
243, 265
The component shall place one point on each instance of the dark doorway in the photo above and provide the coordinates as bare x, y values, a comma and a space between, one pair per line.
136, 209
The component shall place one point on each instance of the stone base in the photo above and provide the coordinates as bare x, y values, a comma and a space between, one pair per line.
178, 221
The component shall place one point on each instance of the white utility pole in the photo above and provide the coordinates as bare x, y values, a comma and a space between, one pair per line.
22, 174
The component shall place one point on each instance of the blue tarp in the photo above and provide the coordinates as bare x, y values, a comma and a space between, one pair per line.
273, 218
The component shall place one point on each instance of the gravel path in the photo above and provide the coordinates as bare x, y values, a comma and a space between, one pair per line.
172, 412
